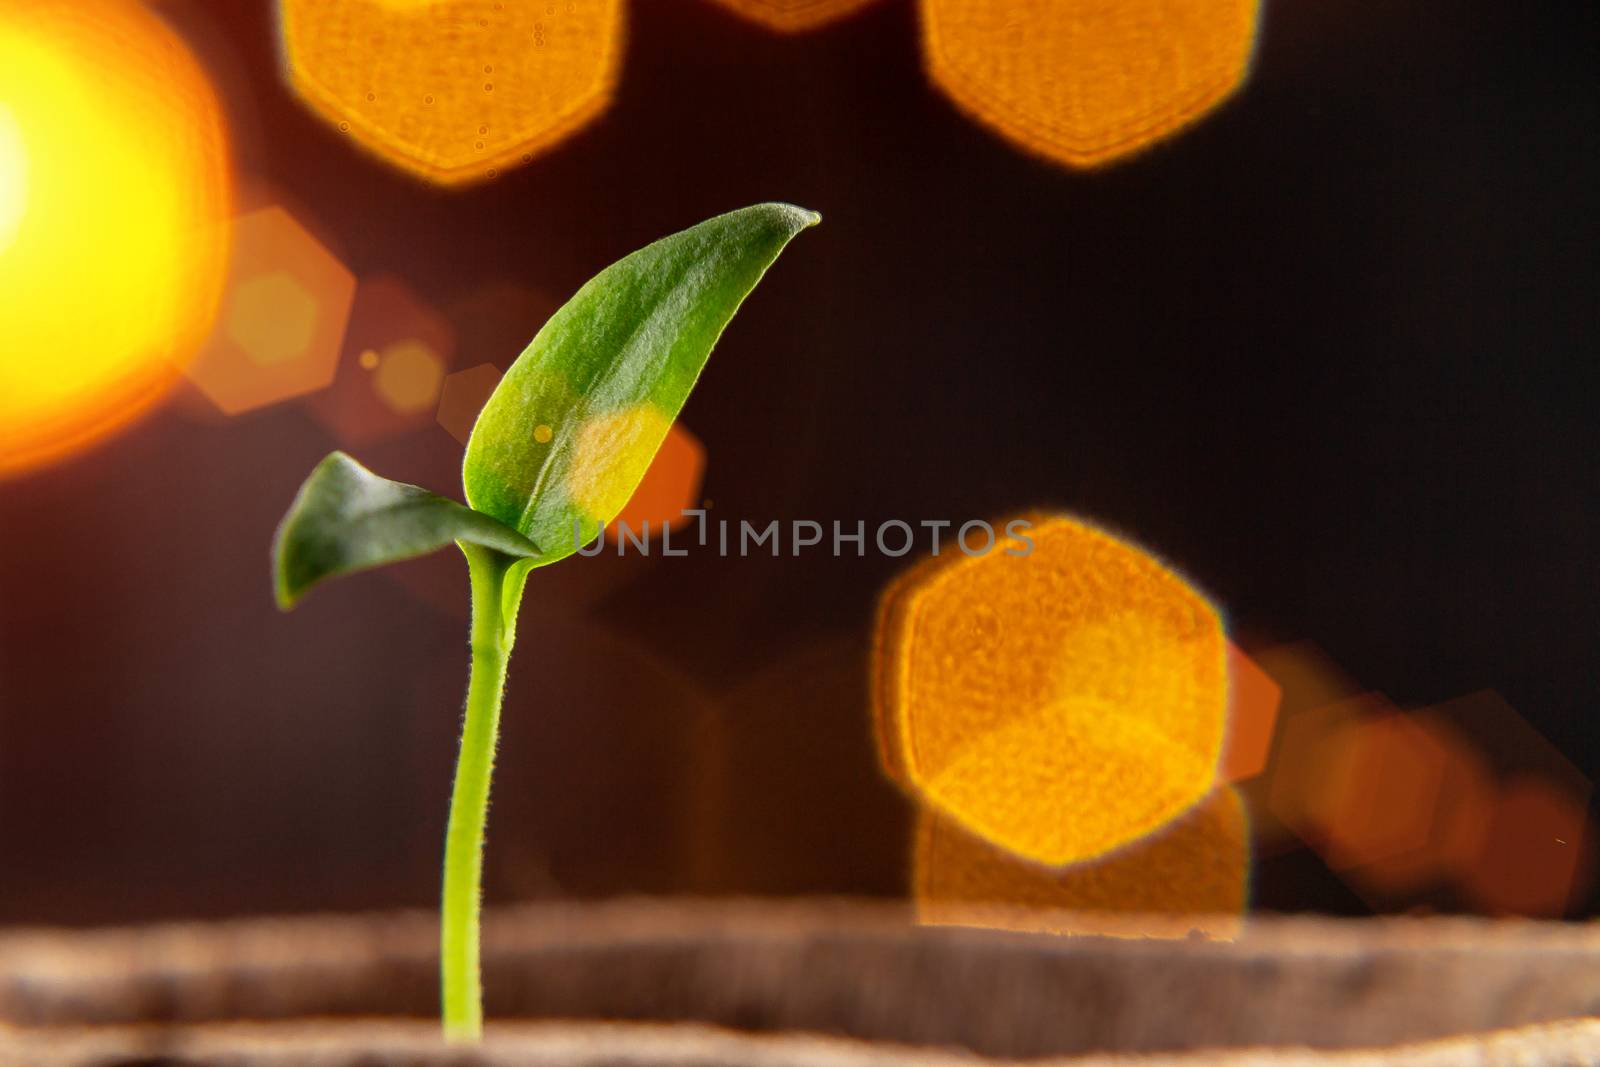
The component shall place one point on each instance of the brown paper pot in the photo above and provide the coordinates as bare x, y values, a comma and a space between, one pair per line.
714, 983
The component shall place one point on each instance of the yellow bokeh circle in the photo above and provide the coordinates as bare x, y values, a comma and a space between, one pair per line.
113, 207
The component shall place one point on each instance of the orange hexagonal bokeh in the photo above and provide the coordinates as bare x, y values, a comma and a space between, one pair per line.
282, 319
671, 485
271, 318
1455, 833
1536, 851
463, 395
397, 351
1533, 852
1190, 876
1358, 781
1383, 779
794, 16
407, 376
1253, 699
1309, 680
1460, 803
1084, 82
454, 91
1076, 675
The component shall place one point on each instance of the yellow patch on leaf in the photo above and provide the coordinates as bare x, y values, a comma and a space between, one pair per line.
611, 454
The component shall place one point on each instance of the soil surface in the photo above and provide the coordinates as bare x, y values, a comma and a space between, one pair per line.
811, 982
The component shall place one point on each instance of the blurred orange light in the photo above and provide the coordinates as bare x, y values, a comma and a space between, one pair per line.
1192, 875
408, 377
1362, 783
114, 196
454, 91
1383, 777
1253, 699
397, 348
794, 16
1309, 680
1084, 82
1461, 814
1536, 851
1057, 703
272, 318
283, 316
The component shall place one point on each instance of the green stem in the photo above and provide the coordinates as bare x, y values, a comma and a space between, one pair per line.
496, 590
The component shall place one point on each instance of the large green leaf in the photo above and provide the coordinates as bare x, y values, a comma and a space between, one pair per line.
346, 518
570, 431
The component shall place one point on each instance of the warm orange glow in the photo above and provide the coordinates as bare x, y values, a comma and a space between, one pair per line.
1084, 82
1383, 776
408, 377
671, 485
1533, 851
1301, 778
462, 396
272, 318
1308, 679
1536, 851
1058, 704
113, 200
1192, 875
1253, 699
1362, 784
1454, 839
794, 16
282, 320
397, 349
454, 91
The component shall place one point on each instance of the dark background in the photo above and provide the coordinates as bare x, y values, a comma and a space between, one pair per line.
1331, 352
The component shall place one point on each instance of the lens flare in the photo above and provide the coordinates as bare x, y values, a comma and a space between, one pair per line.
1058, 702
1190, 877
13, 177
113, 196
1087, 82
794, 16
454, 91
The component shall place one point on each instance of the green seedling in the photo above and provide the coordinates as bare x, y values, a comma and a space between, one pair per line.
555, 453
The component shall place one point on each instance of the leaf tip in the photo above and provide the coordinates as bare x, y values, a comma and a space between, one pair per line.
285, 597
797, 218
286, 590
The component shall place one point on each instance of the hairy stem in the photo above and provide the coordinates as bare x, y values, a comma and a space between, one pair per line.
496, 590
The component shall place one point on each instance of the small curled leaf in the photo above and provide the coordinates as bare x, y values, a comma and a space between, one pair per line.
345, 518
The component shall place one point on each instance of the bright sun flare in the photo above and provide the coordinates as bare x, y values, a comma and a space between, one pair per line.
13, 177
113, 191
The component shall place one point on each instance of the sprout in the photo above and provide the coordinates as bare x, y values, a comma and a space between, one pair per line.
555, 454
